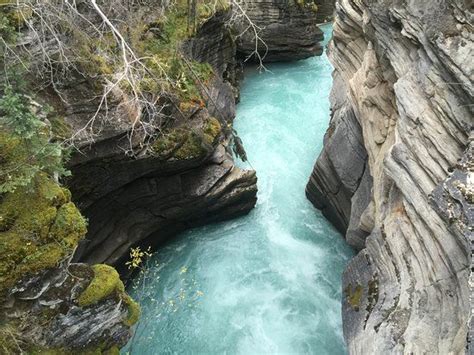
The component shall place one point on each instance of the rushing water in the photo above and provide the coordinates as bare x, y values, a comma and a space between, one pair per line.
268, 282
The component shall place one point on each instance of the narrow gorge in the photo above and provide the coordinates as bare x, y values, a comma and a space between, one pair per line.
154, 165
268, 282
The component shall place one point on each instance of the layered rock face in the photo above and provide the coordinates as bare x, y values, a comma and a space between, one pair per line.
395, 174
280, 30
147, 198
50, 315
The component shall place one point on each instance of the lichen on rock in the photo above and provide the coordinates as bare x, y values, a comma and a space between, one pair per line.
354, 296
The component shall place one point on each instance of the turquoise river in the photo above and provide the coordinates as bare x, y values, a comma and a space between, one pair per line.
269, 282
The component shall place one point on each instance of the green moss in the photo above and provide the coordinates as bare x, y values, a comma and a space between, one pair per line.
105, 282
354, 296
59, 128
307, 4
10, 340
212, 130
95, 56
207, 9
69, 226
96, 62
12, 154
112, 351
192, 148
133, 310
166, 62
43, 258
166, 144
20, 15
181, 144
39, 227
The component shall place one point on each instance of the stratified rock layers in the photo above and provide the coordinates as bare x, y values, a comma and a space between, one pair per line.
391, 176
280, 30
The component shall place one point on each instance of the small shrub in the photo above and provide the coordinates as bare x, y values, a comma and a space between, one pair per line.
25, 144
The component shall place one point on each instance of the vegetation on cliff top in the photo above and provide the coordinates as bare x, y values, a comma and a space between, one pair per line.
307, 4
131, 55
39, 228
26, 145
156, 66
183, 143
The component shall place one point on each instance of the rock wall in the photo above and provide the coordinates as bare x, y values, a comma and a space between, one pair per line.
135, 187
148, 198
286, 29
395, 174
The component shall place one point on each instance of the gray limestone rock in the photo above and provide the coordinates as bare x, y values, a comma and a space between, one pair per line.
402, 194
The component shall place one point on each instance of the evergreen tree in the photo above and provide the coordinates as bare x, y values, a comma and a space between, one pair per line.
26, 147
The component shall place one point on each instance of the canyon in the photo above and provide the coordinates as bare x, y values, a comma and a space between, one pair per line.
394, 176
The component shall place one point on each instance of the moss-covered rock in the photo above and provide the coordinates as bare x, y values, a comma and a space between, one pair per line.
39, 227
59, 127
212, 130
10, 340
180, 144
106, 282
184, 143
39, 230
157, 41
307, 4
133, 310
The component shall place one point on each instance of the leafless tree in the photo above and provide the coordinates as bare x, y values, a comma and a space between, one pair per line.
54, 29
